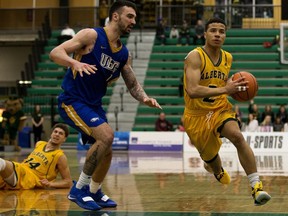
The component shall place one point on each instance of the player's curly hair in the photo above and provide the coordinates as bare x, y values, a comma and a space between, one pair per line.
64, 127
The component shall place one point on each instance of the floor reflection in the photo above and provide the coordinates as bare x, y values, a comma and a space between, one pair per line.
158, 184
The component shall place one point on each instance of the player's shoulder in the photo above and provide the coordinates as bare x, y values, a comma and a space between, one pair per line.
227, 54
87, 32
192, 54
40, 143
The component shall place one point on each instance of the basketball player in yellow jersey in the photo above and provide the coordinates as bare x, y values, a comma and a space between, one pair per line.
41, 167
208, 115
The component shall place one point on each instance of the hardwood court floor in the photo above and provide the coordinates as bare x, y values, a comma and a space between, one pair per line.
152, 184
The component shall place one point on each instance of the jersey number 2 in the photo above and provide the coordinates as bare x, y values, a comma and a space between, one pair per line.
211, 99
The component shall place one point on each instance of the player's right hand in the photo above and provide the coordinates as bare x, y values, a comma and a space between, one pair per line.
232, 86
82, 68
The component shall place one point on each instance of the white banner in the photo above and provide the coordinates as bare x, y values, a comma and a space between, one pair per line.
259, 142
267, 163
156, 141
155, 162
270, 149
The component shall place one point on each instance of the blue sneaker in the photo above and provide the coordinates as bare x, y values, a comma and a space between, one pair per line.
101, 199
82, 198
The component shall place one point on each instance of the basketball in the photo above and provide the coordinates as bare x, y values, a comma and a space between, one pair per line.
245, 94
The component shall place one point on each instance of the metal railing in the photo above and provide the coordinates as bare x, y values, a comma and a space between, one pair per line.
81, 17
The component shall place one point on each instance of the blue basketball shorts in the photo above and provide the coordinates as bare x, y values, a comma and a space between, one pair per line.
81, 116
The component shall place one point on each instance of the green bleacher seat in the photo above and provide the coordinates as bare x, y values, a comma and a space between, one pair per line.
175, 82
161, 91
236, 56
230, 48
143, 128
267, 73
252, 32
236, 64
39, 100
44, 91
52, 42
45, 57
72, 138
49, 66
258, 73
49, 74
242, 32
48, 49
228, 41
46, 82
161, 82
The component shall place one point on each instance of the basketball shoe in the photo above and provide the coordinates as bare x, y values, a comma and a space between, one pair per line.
223, 177
82, 198
100, 198
260, 197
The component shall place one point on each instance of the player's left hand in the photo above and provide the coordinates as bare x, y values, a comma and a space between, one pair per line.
151, 102
45, 183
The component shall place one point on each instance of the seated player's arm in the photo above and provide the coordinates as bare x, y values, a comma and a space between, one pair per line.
192, 67
66, 181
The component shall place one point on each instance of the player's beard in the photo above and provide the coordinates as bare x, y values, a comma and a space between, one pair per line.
123, 28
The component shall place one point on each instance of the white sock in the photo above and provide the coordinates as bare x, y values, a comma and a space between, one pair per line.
83, 180
253, 179
94, 186
2, 164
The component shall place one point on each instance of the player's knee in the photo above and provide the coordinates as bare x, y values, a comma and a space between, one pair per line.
2, 164
109, 139
109, 152
237, 139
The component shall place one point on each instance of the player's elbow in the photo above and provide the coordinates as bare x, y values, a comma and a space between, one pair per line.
69, 183
53, 54
192, 93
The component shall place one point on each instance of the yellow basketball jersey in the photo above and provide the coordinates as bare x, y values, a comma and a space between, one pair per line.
43, 163
213, 76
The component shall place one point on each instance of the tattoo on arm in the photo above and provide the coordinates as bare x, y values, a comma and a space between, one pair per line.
133, 85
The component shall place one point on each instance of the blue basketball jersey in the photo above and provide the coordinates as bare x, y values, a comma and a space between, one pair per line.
90, 89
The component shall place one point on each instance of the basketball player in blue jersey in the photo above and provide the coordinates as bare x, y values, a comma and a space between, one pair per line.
99, 59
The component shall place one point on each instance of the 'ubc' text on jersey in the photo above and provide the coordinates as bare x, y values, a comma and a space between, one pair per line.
212, 76
90, 89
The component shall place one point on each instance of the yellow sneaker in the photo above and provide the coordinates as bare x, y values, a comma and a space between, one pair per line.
260, 197
223, 177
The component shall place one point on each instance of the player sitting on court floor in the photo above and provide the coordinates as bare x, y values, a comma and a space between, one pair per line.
40, 168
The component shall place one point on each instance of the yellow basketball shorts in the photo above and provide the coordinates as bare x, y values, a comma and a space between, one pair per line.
204, 130
26, 179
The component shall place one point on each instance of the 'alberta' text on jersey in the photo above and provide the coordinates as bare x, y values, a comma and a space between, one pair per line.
213, 74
